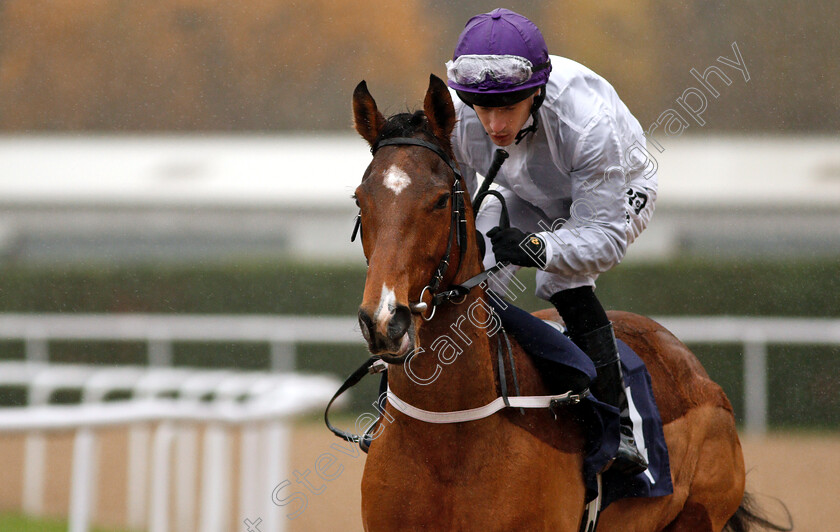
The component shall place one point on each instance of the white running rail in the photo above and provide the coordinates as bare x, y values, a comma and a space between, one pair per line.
282, 333
159, 331
257, 403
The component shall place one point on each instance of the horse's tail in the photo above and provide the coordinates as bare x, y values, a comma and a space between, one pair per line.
750, 517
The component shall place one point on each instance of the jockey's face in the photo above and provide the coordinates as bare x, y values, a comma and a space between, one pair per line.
503, 123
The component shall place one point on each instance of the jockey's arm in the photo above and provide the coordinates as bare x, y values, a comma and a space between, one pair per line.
593, 239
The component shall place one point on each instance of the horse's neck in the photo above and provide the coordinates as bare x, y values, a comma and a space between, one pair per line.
453, 367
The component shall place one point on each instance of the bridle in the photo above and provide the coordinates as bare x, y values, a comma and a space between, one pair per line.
457, 227
457, 231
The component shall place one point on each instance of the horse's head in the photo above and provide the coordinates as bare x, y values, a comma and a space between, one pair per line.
415, 217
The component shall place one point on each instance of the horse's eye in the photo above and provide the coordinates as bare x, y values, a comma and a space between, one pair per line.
357, 201
442, 202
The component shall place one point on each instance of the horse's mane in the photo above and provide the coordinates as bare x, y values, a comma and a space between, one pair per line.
410, 125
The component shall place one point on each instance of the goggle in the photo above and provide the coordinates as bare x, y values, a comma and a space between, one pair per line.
471, 70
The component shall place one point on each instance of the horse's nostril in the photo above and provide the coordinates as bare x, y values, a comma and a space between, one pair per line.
399, 323
366, 324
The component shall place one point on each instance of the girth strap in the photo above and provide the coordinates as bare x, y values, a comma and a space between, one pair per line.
512, 365
502, 375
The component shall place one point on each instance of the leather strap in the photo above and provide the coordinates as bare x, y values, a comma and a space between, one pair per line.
401, 141
371, 365
473, 414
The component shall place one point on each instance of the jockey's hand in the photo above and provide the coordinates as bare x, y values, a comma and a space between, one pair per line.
514, 246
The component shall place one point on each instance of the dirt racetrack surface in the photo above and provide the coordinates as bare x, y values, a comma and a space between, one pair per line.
803, 470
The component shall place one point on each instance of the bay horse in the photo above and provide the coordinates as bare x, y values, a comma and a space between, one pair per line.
511, 470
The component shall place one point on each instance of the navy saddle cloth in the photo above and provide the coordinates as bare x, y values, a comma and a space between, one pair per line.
550, 346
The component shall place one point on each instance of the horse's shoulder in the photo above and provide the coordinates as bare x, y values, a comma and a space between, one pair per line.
680, 382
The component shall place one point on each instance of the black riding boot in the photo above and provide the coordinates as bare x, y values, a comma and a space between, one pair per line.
609, 387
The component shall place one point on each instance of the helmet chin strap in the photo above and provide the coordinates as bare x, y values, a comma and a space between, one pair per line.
530, 129
535, 107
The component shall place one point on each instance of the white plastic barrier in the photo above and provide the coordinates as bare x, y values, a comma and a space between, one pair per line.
283, 332
256, 402
160, 330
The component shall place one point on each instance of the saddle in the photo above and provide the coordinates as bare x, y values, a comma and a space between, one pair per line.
555, 352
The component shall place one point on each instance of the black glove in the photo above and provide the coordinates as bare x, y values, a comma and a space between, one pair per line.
514, 246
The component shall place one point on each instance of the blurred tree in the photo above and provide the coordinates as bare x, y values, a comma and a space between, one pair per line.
206, 65
618, 40
789, 50
267, 65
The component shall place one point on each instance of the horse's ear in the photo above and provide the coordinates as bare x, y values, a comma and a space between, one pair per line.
366, 117
439, 109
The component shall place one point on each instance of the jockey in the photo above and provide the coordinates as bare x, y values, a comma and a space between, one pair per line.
577, 183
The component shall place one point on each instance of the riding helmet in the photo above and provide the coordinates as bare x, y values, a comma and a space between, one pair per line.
501, 58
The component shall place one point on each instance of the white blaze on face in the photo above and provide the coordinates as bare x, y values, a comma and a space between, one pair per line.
396, 179
385, 310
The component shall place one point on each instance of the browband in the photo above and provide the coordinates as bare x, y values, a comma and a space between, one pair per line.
401, 141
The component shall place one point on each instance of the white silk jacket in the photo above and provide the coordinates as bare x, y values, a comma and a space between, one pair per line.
585, 175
